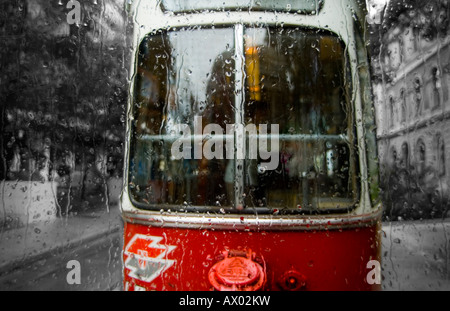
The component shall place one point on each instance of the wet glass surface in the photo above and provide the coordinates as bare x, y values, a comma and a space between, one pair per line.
64, 84
63, 97
185, 78
411, 87
294, 77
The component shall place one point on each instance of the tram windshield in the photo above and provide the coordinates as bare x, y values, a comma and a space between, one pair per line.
303, 6
195, 84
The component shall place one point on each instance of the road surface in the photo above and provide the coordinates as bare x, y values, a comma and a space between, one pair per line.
100, 268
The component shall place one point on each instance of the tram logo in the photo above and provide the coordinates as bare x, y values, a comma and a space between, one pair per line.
209, 141
146, 258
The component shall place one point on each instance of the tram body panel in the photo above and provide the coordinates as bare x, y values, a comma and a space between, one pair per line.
328, 259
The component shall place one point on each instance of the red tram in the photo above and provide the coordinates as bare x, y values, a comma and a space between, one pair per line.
251, 159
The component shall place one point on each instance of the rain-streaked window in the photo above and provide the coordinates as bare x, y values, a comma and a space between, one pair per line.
296, 78
63, 88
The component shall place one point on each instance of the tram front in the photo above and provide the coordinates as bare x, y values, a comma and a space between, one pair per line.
251, 152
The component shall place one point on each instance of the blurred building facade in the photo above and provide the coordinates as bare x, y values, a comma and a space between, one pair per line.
412, 87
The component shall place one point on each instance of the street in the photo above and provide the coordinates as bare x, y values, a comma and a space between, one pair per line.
40, 255
100, 262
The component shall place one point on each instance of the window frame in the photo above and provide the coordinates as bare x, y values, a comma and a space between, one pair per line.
239, 53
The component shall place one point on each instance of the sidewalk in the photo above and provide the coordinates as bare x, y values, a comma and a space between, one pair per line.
416, 255
37, 240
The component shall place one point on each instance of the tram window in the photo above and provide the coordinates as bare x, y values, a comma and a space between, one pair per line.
300, 85
181, 75
294, 77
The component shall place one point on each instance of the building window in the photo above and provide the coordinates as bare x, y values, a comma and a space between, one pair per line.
436, 85
405, 156
421, 156
417, 95
416, 36
391, 112
441, 155
393, 156
394, 53
445, 85
403, 106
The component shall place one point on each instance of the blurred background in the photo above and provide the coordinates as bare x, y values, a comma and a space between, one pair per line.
63, 100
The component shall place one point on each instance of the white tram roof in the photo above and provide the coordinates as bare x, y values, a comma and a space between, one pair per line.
334, 15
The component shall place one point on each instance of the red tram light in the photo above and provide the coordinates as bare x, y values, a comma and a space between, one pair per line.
237, 273
292, 281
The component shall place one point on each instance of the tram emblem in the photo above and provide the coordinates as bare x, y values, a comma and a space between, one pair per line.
147, 258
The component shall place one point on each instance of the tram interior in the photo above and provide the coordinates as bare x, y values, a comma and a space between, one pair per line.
296, 78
